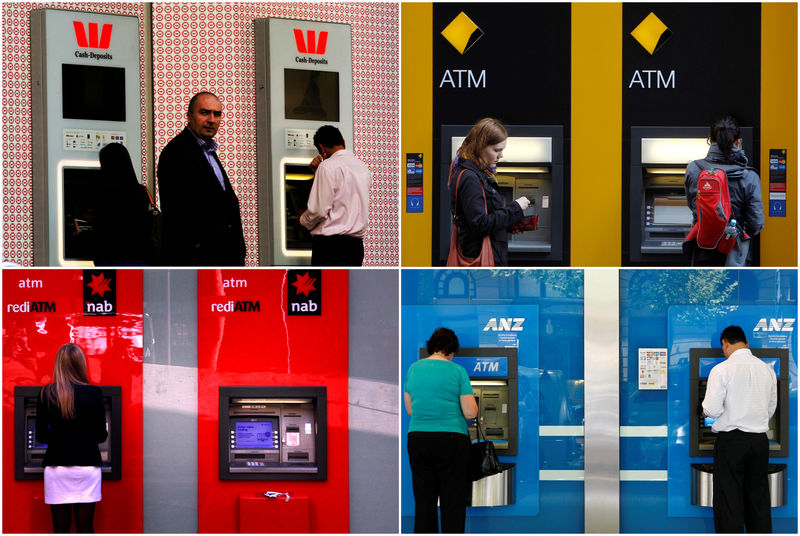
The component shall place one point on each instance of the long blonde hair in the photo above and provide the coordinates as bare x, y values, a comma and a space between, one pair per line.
70, 367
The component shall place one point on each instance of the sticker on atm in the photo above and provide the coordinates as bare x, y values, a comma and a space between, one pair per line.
292, 439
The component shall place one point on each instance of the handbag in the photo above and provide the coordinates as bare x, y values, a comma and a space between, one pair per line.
457, 259
155, 225
483, 460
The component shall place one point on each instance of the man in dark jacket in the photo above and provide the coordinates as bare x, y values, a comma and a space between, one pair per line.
202, 223
747, 208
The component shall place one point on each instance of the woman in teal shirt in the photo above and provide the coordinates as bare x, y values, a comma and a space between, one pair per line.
439, 398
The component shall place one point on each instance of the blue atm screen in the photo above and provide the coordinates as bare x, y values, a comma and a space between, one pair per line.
254, 435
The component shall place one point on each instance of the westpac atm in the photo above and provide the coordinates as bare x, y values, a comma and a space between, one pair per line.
659, 216
85, 82
702, 439
304, 80
533, 166
29, 453
272, 433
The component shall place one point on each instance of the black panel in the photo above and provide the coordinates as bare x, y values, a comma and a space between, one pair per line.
715, 52
92, 92
525, 51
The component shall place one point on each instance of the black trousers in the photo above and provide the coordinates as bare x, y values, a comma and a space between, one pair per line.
741, 488
337, 250
439, 472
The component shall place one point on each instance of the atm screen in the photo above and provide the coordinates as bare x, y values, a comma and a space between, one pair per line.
92, 92
254, 434
671, 210
311, 95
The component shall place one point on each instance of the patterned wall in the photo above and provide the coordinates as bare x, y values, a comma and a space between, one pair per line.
17, 151
209, 46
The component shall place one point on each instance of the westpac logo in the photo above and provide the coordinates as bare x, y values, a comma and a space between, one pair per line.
504, 324
775, 324
310, 45
91, 40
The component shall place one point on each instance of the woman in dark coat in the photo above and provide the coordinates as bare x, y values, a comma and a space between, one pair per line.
472, 175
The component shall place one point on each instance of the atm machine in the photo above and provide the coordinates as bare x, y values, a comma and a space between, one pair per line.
272, 433
86, 93
493, 375
29, 453
533, 166
659, 216
701, 438
304, 80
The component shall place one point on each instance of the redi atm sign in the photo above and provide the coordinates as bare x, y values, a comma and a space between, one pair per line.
87, 34
99, 292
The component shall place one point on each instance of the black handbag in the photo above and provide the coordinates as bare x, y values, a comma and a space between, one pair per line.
483, 460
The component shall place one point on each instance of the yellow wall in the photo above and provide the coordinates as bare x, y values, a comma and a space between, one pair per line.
779, 126
417, 118
596, 101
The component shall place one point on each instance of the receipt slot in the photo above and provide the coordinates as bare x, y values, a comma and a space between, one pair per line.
702, 439
29, 453
304, 80
85, 93
659, 215
272, 433
533, 166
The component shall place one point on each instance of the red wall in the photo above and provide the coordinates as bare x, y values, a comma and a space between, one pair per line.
113, 348
271, 348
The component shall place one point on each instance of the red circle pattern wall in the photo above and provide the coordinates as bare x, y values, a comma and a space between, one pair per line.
210, 46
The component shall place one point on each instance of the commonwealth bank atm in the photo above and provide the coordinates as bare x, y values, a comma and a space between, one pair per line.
533, 166
702, 439
304, 80
272, 433
659, 215
86, 93
29, 453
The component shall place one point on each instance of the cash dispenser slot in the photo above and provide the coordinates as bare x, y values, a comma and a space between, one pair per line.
536, 183
29, 453
702, 438
273, 433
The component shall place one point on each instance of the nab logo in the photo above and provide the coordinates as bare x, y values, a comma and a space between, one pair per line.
305, 299
92, 41
99, 293
311, 45
504, 324
775, 324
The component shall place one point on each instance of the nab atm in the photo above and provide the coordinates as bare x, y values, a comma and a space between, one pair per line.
272, 433
29, 453
702, 439
533, 166
304, 80
659, 216
86, 89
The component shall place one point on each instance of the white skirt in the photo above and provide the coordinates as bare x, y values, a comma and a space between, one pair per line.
74, 484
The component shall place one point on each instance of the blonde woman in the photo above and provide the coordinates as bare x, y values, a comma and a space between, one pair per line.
70, 419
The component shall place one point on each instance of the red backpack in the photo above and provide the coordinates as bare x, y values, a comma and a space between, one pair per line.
713, 204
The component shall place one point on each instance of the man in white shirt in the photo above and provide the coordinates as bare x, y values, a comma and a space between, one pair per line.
338, 205
742, 395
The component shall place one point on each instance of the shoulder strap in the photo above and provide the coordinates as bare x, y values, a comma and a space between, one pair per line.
458, 180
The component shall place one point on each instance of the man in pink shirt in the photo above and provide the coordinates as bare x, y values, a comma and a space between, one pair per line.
338, 205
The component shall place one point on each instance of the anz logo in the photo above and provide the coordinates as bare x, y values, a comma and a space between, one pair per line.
775, 324
504, 324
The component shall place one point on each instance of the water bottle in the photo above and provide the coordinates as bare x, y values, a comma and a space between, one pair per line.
730, 230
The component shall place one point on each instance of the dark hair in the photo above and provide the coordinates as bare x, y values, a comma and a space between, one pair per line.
724, 132
732, 335
328, 136
486, 132
197, 96
442, 340
116, 166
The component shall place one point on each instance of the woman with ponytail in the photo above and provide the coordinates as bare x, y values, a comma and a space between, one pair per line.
471, 181
70, 420
744, 186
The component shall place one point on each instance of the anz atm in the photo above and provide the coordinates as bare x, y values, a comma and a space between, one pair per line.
272, 433
85, 81
304, 80
702, 439
533, 166
659, 217
29, 453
